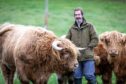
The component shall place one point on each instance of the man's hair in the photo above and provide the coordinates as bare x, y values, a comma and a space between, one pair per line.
78, 9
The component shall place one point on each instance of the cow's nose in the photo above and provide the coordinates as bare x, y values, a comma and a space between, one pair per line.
113, 52
76, 65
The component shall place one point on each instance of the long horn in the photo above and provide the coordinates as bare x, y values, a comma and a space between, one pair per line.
79, 48
55, 45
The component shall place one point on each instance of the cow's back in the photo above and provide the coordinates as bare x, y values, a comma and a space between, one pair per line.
9, 40
31, 43
32, 51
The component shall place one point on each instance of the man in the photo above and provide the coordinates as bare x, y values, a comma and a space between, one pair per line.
83, 34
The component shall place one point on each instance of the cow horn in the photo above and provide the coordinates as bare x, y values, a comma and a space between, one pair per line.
55, 45
79, 48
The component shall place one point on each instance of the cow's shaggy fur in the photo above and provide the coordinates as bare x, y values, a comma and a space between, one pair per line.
110, 54
29, 50
115, 43
102, 67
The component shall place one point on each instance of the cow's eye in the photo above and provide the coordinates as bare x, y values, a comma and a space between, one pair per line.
107, 41
66, 55
121, 43
102, 39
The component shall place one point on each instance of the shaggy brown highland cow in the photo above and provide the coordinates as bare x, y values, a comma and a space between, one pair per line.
34, 53
115, 43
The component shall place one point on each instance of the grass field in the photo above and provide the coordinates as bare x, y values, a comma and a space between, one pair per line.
105, 15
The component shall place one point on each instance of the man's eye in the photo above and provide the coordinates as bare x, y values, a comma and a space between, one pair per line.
77, 14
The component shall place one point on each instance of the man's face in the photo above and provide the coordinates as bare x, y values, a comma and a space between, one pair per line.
78, 16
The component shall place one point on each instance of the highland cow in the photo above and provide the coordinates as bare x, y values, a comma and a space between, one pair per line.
102, 66
115, 43
34, 53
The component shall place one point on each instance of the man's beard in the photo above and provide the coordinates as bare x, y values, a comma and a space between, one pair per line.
79, 21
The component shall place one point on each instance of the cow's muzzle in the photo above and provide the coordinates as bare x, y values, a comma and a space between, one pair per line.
113, 53
76, 65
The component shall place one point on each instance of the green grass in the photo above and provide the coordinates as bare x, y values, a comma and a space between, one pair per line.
105, 15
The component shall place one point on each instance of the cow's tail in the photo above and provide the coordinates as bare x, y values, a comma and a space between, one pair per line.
5, 28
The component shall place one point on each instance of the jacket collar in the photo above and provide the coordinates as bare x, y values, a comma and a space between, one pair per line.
83, 24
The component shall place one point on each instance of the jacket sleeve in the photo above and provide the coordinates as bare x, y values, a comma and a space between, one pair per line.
93, 37
68, 36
